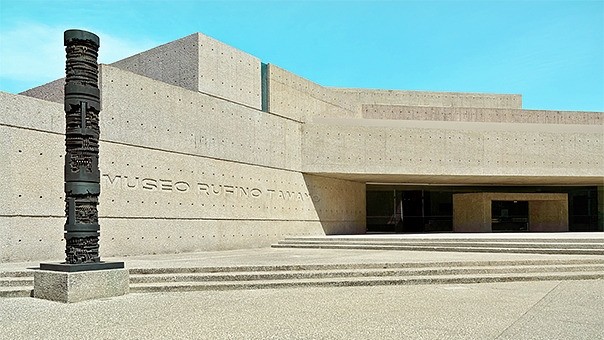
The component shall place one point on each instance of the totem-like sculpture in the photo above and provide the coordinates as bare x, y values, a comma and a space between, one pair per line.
82, 176
64, 281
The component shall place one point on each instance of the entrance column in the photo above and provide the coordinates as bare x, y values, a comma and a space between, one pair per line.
548, 215
471, 213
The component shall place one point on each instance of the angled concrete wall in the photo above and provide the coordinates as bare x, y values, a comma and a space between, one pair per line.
200, 63
300, 99
53, 91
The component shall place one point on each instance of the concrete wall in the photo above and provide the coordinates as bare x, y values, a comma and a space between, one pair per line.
300, 99
471, 213
200, 63
340, 205
549, 215
364, 147
465, 114
181, 171
53, 91
433, 99
165, 117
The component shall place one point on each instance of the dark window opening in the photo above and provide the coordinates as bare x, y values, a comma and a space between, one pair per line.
509, 216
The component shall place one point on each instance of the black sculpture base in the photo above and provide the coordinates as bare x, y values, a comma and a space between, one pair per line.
80, 267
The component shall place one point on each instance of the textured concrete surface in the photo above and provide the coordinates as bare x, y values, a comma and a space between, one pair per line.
473, 114
80, 286
200, 63
434, 99
53, 91
223, 172
379, 147
535, 310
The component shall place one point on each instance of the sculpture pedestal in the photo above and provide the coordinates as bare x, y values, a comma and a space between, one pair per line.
74, 286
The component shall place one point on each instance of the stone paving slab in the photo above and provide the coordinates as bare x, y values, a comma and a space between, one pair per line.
519, 310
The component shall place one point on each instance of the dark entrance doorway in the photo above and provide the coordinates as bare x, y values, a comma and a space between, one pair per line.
509, 216
411, 211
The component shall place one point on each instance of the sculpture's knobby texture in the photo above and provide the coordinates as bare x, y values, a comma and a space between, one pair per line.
82, 176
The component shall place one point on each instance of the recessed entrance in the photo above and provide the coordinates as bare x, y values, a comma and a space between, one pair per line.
544, 212
425, 209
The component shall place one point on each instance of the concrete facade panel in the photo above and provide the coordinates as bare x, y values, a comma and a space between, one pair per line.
31, 113
450, 150
432, 99
227, 72
30, 238
53, 91
472, 114
140, 111
32, 169
175, 63
144, 183
299, 99
340, 205
471, 213
127, 236
550, 216
200, 63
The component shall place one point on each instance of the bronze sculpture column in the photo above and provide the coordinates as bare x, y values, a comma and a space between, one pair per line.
81, 173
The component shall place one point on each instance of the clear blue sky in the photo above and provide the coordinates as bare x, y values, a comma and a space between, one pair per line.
551, 52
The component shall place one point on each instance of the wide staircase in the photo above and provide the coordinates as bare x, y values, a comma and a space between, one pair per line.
576, 258
492, 244
146, 280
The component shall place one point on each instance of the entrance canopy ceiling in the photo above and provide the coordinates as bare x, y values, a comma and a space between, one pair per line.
466, 180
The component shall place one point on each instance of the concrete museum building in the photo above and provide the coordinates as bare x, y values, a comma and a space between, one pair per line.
204, 147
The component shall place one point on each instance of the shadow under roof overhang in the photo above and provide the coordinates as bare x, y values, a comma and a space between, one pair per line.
410, 179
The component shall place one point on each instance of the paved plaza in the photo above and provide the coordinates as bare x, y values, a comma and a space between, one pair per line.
511, 310
528, 310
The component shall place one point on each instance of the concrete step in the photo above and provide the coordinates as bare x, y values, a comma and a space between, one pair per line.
346, 273
18, 273
448, 243
337, 274
449, 239
360, 281
505, 248
369, 265
6, 292
16, 281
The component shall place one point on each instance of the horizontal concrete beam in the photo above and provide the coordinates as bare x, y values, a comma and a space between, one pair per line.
492, 115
